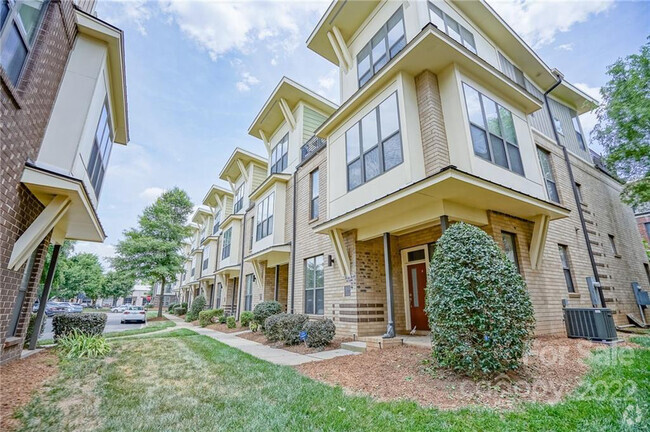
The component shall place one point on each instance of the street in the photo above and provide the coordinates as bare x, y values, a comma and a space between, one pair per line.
112, 325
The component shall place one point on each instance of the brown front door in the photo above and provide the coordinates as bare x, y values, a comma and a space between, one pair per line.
417, 278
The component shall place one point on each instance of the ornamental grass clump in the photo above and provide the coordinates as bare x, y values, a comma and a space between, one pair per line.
77, 344
479, 310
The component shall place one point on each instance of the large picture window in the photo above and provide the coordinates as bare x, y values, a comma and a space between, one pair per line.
373, 145
248, 292
314, 286
566, 267
547, 172
383, 46
280, 155
101, 150
450, 26
493, 131
239, 199
225, 247
265, 217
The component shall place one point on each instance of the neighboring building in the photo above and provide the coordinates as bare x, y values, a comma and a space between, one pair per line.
444, 118
140, 296
169, 296
63, 97
643, 222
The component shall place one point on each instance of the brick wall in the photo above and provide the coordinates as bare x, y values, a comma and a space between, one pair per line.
432, 126
641, 221
25, 112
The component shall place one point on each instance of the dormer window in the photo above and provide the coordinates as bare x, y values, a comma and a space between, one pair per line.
383, 46
450, 26
280, 155
239, 198
101, 150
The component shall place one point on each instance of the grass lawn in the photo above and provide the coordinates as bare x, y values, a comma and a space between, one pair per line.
150, 327
181, 381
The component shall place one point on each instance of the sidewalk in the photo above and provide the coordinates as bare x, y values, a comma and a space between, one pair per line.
264, 352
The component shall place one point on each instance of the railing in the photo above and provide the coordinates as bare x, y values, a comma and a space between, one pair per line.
312, 145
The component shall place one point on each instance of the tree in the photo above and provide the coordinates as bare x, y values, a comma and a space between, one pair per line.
623, 127
82, 273
117, 284
152, 251
480, 314
67, 249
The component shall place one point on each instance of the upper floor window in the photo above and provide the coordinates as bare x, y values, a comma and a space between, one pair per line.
239, 199
314, 186
512, 71
204, 232
217, 221
383, 46
19, 22
450, 26
612, 244
225, 247
647, 229
373, 145
280, 155
493, 131
264, 217
579, 190
314, 286
101, 150
206, 257
576, 127
547, 172
566, 267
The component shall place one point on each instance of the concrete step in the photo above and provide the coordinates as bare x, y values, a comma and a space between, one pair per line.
356, 346
377, 342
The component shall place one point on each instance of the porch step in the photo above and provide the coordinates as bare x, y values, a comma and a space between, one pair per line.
356, 346
377, 342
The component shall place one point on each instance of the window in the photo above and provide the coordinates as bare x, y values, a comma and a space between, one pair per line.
239, 198
265, 217
20, 297
558, 125
19, 22
313, 205
314, 286
579, 189
647, 229
450, 26
547, 173
493, 131
225, 247
612, 244
373, 145
647, 271
206, 257
101, 150
510, 248
564, 257
248, 293
383, 46
217, 221
576, 127
204, 230
280, 155
512, 71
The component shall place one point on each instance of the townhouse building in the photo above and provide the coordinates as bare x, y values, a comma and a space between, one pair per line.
63, 97
446, 115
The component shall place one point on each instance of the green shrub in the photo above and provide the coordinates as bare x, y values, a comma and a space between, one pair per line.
479, 310
198, 305
264, 310
222, 319
30, 328
86, 323
205, 317
253, 326
319, 332
184, 305
245, 318
284, 327
77, 344
171, 307
230, 322
179, 310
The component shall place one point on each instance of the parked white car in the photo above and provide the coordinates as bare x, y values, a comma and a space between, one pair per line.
134, 314
119, 309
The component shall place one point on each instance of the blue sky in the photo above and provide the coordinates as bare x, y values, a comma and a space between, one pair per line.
199, 71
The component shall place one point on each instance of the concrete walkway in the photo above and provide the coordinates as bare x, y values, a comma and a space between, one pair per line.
261, 351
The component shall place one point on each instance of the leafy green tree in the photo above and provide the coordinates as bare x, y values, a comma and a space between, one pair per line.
152, 251
67, 249
623, 127
117, 284
82, 274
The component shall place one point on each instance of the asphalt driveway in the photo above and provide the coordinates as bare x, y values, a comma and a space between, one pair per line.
112, 325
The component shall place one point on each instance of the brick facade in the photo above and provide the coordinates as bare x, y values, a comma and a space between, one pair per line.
25, 111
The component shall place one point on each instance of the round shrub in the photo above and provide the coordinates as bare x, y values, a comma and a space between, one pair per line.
230, 322
171, 307
284, 327
245, 318
265, 309
319, 332
85, 323
222, 319
179, 310
205, 317
253, 326
479, 310
198, 305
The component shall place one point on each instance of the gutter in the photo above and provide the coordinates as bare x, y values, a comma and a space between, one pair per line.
576, 195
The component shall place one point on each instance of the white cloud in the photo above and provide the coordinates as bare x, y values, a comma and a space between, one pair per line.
328, 85
565, 47
539, 21
150, 194
103, 250
136, 12
247, 80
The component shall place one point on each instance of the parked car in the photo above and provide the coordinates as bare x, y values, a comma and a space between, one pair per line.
54, 308
134, 314
119, 309
73, 307
35, 307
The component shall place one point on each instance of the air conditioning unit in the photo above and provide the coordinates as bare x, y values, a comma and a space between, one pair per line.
590, 323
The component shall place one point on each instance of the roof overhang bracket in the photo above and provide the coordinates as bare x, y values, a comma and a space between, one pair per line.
286, 112
242, 169
343, 47
336, 237
538, 240
267, 144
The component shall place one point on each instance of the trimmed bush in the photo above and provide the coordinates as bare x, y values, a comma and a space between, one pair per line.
253, 326
479, 310
171, 307
319, 332
284, 327
184, 305
245, 318
264, 310
198, 305
77, 345
179, 310
205, 317
30, 328
230, 322
86, 323
222, 319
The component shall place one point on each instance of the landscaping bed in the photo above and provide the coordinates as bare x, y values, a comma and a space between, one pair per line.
223, 328
300, 349
554, 368
19, 379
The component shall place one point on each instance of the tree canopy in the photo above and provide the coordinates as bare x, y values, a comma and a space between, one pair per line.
82, 274
67, 249
117, 284
623, 127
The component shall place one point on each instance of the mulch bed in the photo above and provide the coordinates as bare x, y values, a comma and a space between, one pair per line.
553, 369
157, 319
223, 328
19, 379
299, 349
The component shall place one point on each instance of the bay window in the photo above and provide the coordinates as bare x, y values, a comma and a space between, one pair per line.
264, 217
450, 26
383, 46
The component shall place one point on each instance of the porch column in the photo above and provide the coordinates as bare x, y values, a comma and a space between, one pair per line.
390, 329
276, 294
444, 223
44, 296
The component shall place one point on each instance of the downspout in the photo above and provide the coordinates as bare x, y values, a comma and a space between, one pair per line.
241, 266
293, 240
576, 195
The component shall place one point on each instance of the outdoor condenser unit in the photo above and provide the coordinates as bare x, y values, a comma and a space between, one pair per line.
590, 323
